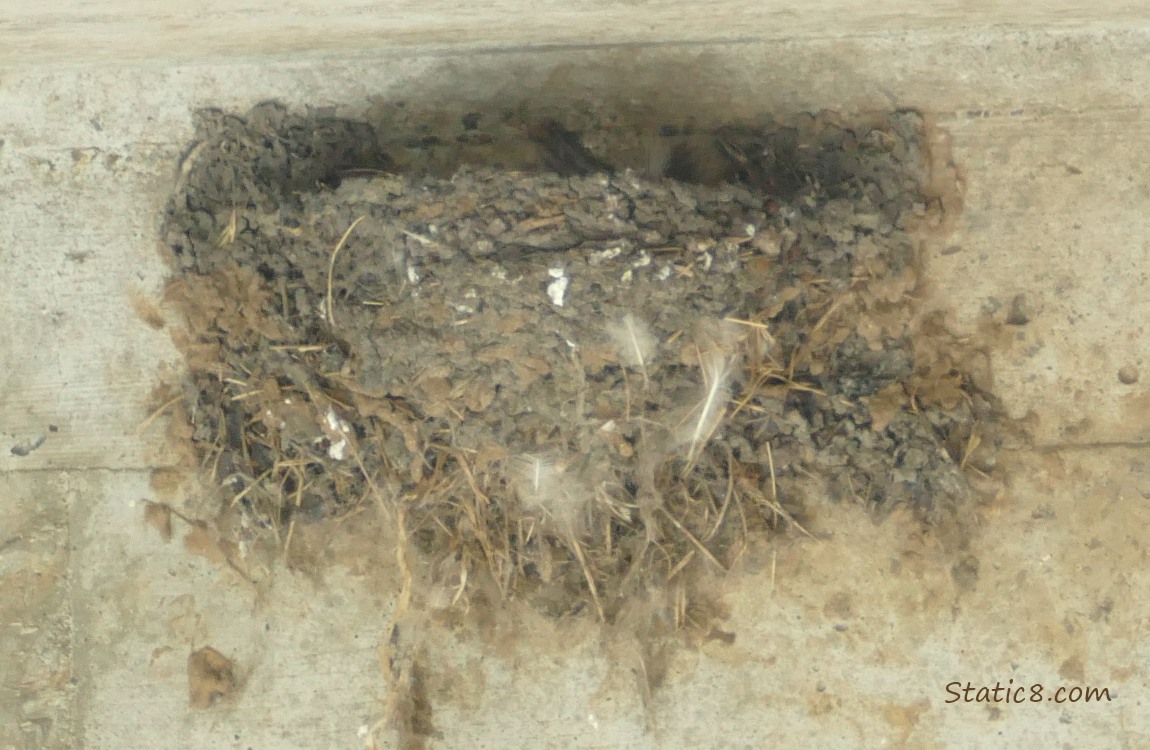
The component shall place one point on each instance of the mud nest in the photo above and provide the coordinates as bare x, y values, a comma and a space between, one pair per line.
567, 379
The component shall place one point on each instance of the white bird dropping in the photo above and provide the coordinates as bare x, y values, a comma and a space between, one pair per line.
557, 289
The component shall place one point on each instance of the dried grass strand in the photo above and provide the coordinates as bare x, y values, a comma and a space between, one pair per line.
578, 550
140, 428
694, 540
331, 269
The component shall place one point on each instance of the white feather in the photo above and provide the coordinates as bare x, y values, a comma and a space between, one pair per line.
634, 341
535, 479
716, 367
544, 486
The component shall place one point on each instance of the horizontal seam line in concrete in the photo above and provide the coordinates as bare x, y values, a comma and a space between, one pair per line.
1068, 447
324, 50
79, 469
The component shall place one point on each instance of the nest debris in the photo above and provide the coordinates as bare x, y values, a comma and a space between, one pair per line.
570, 386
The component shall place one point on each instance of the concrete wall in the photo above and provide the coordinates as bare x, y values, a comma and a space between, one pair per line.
1045, 108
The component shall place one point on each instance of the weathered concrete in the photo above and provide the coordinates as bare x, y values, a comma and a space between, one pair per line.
1046, 113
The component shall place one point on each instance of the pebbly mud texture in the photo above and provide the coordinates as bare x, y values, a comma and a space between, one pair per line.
569, 381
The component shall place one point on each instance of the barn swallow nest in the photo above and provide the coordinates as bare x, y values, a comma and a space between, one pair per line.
567, 385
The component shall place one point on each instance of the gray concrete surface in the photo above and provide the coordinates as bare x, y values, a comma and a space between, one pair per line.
1047, 113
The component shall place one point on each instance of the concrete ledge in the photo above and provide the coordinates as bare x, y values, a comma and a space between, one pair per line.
123, 31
